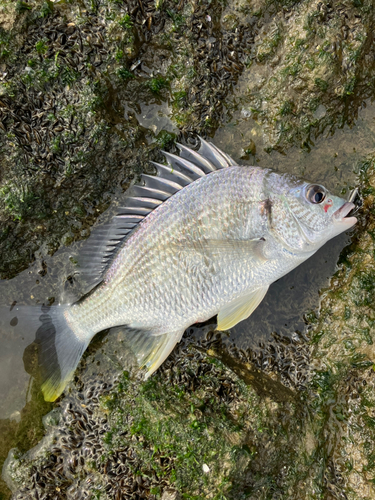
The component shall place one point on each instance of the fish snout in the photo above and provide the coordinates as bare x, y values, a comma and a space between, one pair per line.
340, 216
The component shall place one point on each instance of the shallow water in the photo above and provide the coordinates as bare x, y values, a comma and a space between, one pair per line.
331, 162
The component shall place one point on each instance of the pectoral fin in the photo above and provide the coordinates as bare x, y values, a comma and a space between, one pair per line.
237, 248
240, 309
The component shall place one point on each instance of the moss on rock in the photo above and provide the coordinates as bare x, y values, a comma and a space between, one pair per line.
310, 67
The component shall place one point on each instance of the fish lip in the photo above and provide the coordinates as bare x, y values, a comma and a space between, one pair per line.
342, 212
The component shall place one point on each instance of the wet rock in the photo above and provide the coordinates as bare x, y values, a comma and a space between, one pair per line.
78, 83
71, 113
343, 358
190, 429
291, 87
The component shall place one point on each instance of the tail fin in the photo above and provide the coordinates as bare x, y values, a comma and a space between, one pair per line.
59, 348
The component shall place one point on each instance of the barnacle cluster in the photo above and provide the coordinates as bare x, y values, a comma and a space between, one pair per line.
72, 84
289, 357
195, 428
187, 430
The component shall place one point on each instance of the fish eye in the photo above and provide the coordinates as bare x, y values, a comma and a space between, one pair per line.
315, 194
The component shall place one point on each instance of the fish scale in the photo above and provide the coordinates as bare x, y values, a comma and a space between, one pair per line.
166, 230
203, 237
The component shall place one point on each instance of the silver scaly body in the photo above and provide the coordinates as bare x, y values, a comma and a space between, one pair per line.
165, 277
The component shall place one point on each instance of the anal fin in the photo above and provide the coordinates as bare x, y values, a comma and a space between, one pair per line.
240, 309
152, 350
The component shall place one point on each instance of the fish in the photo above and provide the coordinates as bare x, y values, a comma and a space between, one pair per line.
203, 237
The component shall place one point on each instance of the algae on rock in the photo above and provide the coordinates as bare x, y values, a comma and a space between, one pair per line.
197, 428
310, 68
75, 79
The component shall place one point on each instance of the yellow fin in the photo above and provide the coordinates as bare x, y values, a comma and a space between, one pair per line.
54, 387
240, 309
162, 351
151, 349
60, 350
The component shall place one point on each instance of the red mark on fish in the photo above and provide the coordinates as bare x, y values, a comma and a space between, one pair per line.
328, 205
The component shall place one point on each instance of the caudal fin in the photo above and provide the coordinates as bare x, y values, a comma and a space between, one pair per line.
59, 349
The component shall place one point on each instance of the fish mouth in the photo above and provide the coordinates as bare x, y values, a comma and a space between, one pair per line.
342, 212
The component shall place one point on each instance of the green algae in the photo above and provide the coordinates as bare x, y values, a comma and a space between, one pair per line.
344, 359
300, 53
203, 437
157, 84
23, 434
190, 440
50, 71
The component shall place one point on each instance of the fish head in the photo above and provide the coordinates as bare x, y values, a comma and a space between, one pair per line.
306, 215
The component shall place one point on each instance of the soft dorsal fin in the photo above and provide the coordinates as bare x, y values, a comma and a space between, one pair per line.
142, 199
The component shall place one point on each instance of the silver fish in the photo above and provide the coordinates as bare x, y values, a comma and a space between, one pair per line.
204, 237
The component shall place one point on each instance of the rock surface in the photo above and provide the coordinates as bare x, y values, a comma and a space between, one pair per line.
89, 92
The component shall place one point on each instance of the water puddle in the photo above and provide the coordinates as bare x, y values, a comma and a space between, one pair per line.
156, 117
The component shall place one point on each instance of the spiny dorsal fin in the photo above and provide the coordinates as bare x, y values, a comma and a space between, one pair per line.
142, 199
217, 158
